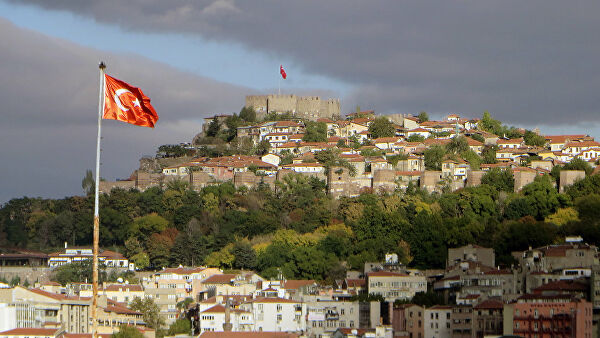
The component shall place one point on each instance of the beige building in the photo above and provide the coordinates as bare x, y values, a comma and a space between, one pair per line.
437, 322
393, 285
172, 285
473, 253
122, 293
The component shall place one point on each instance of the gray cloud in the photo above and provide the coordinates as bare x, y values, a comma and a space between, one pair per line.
523, 61
49, 95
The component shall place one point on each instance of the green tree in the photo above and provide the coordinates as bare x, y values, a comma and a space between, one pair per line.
127, 331
213, 128
381, 127
423, 117
149, 310
180, 326
489, 154
143, 227
244, 256
248, 114
501, 179
458, 145
579, 164
533, 139
415, 138
263, 147
315, 132
88, 183
434, 156
78, 272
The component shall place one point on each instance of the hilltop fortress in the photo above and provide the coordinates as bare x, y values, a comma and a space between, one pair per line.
305, 107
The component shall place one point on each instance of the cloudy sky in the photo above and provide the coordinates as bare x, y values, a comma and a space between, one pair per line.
530, 63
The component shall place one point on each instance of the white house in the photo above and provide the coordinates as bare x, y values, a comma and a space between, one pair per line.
276, 314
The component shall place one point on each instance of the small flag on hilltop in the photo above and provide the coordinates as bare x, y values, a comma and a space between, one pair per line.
124, 102
282, 72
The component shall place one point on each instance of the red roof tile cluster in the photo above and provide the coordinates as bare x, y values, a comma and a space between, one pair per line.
219, 279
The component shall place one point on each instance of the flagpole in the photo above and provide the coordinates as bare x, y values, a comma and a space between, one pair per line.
102, 66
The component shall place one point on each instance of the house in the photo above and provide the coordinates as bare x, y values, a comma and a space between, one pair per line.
558, 142
276, 314
171, 285
488, 318
78, 254
121, 293
577, 147
473, 253
408, 320
456, 169
325, 317
386, 143
418, 131
393, 285
38, 308
510, 143
305, 168
212, 319
437, 322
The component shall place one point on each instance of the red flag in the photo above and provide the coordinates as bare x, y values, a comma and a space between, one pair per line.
282, 72
127, 103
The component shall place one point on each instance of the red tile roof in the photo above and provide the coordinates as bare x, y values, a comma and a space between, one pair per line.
26, 331
219, 279
296, 284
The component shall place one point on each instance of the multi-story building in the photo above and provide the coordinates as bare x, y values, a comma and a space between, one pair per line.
276, 314
327, 316
548, 316
172, 285
487, 318
213, 318
437, 322
78, 254
461, 321
69, 312
393, 285
473, 253
122, 293
408, 320
549, 258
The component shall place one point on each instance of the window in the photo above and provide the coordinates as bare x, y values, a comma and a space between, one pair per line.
279, 317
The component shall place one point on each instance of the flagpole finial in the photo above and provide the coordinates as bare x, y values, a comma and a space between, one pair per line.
102, 65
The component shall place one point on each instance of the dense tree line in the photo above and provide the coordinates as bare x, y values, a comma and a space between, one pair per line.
298, 231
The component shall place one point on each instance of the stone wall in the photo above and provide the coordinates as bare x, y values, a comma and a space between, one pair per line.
523, 177
568, 177
430, 180
308, 107
474, 177
384, 180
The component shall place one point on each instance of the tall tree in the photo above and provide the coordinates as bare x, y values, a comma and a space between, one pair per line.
382, 127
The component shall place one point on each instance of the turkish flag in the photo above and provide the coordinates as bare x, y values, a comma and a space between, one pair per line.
127, 103
282, 72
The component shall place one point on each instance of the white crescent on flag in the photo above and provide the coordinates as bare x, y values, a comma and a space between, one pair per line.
118, 93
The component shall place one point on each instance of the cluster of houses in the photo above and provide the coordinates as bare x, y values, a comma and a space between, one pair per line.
384, 163
554, 291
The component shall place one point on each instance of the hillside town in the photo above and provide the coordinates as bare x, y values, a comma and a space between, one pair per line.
364, 151
552, 292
